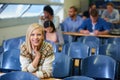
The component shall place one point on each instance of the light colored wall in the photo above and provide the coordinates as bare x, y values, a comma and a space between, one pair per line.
68, 3
11, 32
84, 5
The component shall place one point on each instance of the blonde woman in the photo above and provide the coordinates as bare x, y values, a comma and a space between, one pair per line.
36, 54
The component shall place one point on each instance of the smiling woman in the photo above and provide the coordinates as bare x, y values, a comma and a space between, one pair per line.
36, 54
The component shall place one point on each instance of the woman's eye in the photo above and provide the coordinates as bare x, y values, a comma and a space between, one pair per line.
32, 34
39, 34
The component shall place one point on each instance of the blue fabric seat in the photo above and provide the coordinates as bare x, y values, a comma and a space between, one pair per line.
78, 78
10, 61
65, 48
13, 43
93, 42
61, 66
113, 41
99, 67
78, 51
112, 50
18, 75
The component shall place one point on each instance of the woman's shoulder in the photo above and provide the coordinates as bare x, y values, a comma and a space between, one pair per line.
47, 44
47, 48
23, 48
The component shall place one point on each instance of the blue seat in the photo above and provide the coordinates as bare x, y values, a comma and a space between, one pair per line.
10, 61
113, 41
112, 50
13, 43
78, 78
99, 67
1, 49
18, 75
78, 51
68, 38
61, 66
93, 42
65, 48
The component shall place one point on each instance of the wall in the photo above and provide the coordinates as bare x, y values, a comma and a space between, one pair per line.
81, 5
84, 5
11, 32
68, 3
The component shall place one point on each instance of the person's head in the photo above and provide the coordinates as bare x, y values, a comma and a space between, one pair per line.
49, 26
34, 36
92, 6
94, 15
72, 11
110, 7
48, 11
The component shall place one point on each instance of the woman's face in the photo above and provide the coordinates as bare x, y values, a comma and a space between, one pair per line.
36, 37
49, 29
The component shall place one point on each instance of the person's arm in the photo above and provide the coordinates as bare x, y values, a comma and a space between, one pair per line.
46, 70
64, 25
60, 36
36, 60
103, 14
26, 64
116, 19
81, 28
96, 32
105, 27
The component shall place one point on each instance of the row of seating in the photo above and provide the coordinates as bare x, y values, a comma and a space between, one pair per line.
76, 48
18, 75
98, 67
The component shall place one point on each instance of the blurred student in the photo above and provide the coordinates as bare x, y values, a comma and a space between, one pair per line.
71, 23
110, 14
49, 15
94, 25
52, 34
86, 14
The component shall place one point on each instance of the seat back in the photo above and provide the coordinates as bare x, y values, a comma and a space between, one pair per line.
99, 67
78, 50
93, 42
18, 75
111, 50
13, 43
10, 60
68, 38
78, 78
61, 66
65, 48
113, 40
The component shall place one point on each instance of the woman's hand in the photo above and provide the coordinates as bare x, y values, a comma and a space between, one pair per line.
37, 57
36, 52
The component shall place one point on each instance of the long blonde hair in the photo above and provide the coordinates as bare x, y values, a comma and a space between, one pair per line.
28, 33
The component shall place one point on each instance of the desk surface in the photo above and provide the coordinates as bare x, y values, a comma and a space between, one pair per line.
79, 34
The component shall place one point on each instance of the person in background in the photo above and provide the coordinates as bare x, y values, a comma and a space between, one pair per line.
86, 14
71, 23
51, 34
49, 15
36, 55
110, 14
94, 25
